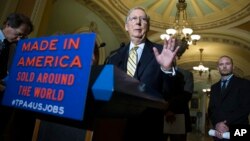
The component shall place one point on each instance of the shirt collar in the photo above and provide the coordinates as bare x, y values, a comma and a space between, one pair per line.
141, 46
2, 37
227, 78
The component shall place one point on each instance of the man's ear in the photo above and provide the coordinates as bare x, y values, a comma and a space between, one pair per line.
126, 27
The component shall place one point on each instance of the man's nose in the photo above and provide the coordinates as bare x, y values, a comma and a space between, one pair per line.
138, 20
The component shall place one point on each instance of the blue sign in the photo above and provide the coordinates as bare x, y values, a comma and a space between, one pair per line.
51, 74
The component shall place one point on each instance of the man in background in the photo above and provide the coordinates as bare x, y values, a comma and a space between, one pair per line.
229, 99
15, 27
177, 118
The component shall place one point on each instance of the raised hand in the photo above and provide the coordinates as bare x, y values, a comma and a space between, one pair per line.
166, 57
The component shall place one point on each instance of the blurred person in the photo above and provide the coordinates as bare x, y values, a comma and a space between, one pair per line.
15, 27
177, 118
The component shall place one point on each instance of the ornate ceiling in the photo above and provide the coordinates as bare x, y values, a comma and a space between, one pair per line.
203, 14
224, 27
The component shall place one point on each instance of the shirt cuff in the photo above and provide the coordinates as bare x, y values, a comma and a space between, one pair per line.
171, 71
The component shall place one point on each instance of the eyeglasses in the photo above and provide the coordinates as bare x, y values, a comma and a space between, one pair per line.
143, 19
19, 34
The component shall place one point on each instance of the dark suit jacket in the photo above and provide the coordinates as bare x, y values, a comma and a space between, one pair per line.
21, 123
180, 94
149, 125
234, 105
4, 57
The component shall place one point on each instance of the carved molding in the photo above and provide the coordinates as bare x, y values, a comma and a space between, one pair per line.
121, 6
106, 17
225, 39
37, 15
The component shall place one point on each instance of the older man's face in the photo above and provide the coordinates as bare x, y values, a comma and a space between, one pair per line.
137, 24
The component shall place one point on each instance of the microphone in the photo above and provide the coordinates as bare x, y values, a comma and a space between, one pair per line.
113, 53
122, 44
103, 44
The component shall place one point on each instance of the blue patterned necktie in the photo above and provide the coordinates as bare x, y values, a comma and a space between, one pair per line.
223, 86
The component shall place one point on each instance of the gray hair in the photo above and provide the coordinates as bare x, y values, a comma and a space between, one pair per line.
135, 8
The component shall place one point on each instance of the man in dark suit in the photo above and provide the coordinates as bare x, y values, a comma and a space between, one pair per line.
15, 27
229, 99
178, 113
152, 66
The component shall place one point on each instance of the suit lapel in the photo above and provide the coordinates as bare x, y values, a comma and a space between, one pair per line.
146, 56
123, 58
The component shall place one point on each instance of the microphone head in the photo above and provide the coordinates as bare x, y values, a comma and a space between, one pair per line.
122, 44
103, 44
